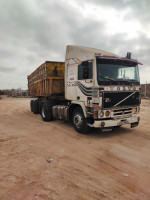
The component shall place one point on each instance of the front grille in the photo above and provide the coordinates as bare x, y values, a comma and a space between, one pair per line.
122, 112
112, 99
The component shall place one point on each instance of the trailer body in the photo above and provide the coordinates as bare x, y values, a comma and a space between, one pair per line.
47, 79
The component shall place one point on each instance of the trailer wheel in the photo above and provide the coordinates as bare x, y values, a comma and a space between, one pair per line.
35, 107
80, 122
31, 105
46, 113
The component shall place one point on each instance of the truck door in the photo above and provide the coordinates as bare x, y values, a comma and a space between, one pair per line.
85, 81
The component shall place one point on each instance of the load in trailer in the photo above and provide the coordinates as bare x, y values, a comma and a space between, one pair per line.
93, 88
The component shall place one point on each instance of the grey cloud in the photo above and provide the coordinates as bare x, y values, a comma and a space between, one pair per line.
135, 9
34, 31
121, 4
7, 69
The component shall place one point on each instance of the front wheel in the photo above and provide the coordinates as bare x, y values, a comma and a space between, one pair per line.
46, 113
79, 121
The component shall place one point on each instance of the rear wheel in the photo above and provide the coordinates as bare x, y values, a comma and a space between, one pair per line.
46, 113
31, 105
80, 122
35, 107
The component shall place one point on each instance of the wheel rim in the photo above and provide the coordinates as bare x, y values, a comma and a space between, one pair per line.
78, 120
43, 112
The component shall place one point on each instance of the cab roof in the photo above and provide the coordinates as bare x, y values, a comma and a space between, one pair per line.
82, 53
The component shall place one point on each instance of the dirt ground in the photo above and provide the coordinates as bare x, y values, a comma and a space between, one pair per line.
50, 160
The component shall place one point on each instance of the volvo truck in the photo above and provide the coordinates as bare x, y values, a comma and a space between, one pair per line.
92, 88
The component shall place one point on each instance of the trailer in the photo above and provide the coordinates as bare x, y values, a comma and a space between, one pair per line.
47, 79
92, 88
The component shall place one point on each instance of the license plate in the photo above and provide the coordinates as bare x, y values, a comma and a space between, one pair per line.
106, 129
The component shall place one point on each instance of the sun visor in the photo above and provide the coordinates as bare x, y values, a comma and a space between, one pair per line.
117, 60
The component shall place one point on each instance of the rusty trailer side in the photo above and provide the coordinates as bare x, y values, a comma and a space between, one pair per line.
47, 80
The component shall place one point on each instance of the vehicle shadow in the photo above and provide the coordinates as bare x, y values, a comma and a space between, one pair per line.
98, 133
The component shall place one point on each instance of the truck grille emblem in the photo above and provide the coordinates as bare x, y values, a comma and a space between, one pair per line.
107, 100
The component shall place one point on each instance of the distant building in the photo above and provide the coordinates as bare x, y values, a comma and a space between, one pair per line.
19, 93
145, 90
15, 92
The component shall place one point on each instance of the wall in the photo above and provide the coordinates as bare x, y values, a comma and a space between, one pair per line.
145, 90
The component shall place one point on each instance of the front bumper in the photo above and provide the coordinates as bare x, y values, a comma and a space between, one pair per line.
134, 120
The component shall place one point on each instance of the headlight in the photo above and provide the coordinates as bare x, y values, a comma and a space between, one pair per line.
101, 113
107, 113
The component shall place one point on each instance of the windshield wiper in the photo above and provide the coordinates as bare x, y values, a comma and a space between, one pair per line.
107, 78
131, 81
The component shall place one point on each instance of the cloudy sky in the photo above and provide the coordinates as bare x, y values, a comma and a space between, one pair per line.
33, 31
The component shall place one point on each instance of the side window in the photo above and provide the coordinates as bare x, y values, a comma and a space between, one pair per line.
85, 71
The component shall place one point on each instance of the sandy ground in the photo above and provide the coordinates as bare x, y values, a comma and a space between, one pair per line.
50, 160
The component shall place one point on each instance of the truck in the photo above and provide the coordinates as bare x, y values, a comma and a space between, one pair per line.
92, 88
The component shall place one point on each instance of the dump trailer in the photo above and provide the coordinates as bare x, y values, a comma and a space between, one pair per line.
92, 88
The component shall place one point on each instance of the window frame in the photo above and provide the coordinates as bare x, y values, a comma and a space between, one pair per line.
90, 71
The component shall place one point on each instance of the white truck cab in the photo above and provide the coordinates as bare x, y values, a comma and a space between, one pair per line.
104, 85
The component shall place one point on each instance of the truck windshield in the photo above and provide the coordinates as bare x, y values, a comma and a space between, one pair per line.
117, 72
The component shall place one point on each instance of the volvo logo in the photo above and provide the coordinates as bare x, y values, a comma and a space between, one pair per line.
107, 100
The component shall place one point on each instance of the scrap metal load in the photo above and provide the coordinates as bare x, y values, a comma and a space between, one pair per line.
47, 80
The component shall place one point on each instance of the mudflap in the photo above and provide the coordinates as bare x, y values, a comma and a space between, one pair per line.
134, 124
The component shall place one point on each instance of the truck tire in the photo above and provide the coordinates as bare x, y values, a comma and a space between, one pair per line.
46, 113
80, 122
35, 107
31, 105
